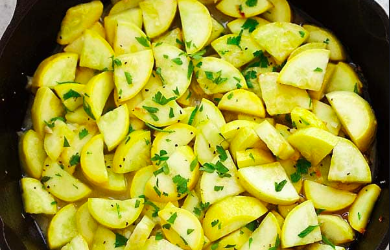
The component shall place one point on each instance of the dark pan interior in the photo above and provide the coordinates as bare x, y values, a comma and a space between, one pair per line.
361, 25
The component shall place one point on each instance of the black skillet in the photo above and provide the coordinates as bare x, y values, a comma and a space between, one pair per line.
361, 25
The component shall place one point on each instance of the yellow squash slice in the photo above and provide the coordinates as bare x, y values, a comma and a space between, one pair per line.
173, 69
96, 95
307, 46
184, 224
140, 234
129, 39
71, 94
344, 78
92, 160
36, 199
248, 25
336, 229
306, 70
157, 15
114, 126
86, 224
77, 45
253, 157
46, 106
78, 19
231, 214
266, 236
356, 116
123, 5
56, 69
115, 213
61, 137
238, 54
268, 182
133, 153
61, 184
132, 73
105, 239
325, 113
173, 37
62, 228
218, 76
328, 198
303, 118
139, 181
295, 228
280, 12
32, 153
96, 53
243, 9
348, 164
313, 143
197, 24
280, 38
279, 98
321, 35
242, 101
78, 243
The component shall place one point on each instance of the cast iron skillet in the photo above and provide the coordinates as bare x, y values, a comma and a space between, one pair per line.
362, 26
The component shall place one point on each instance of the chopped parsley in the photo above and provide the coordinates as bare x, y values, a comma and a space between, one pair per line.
326, 41
159, 129
45, 179
171, 114
176, 91
87, 109
152, 112
163, 156
177, 60
190, 70
302, 33
319, 211
193, 164
251, 3
143, 41
218, 188
178, 41
137, 203
230, 96
118, 210
328, 242
52, 121
222, 153
221, 170
158, 72
214, 223
189, 231
120, 240
198, 55
318, 70
250, 25
307, 231
250, 242
83, 133
302, 166
172, 219
263, 63
355, 89
75, 159
215, 77
359, 216
277, 244
71, 94
235, 40
159, 236
181, 184
129, 78
159, 98
279, 186
66, 143
192, 116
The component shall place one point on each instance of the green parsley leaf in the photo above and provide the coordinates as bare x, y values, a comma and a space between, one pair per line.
118, 210
198, 55
218, 188
328, 242
159, 236
319, 211
160, 157
152, 111
208, 167
214, 223
250, 25
53, 203
177, 60
326, 41
251, 3
192, 116
302, 166
277, 244
158, 44
318, 70
302, 33
172, 219
214, 246
193, 164
190, 70
279, 186
87, 109
230, 246
355, 89
158, 72
66, 143
83, 133
166, 226
120, 240
222, 153
250, 242
181, 184
71, 93
45, 179
158, 129
236, 40
129, 78
143, 41
158, 192
159, 98
263, 59
307, 231
66, 82
252, 157
179, 42
189, 231
137, 203
171, 114
176, 91
252, 225
75, 159
359, 216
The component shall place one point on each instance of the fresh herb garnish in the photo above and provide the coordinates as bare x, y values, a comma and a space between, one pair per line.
172, 219
235, 40
159, 98
163, 156
75, 159
152, 112
177, 60
192, 116
328, 242
218, 188
302, 166
318, 70
71, 94
83, 133
251, 3
181, 184
307, 231
250, 25
302, 33
143, 41
129, 78
222, 153
158, 129
190, 70
279, 186
66, 143
120, 240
